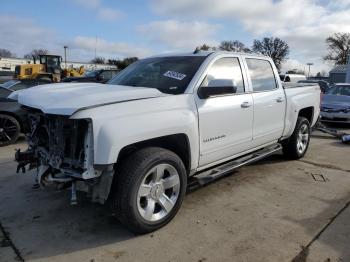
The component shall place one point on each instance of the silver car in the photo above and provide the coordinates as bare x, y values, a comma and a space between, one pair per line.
335, 106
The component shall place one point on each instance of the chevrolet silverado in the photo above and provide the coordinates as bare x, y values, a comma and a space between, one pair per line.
162, 122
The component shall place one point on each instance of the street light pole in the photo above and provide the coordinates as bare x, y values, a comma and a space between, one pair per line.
309, 64
65, 55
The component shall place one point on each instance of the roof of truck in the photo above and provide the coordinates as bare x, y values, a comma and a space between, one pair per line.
207, 53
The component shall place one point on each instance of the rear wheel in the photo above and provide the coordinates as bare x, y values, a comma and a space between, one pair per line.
9, 130
150, 187
296, 146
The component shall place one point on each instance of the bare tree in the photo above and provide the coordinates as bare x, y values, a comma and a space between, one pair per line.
5, 53
206, 47
35, 53
275, 48
98, 60
338, 48
121, 64
235, 46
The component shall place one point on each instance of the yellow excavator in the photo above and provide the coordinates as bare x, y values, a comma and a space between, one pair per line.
48, 68
72, 72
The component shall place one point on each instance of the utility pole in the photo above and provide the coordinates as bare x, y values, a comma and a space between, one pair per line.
347, 76
65, 55
95, 46
309, 64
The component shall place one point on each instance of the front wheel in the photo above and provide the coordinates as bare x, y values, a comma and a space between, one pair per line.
296, 146
150, 187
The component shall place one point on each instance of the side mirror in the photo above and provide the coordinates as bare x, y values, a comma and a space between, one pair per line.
217, 87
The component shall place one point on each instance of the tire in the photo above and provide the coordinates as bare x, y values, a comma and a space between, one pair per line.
45, 78
138, 189
296, 146
9, 130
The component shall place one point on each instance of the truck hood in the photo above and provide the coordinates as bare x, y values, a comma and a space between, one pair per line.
67, 98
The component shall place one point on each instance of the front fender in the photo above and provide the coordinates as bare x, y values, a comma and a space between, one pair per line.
118, 125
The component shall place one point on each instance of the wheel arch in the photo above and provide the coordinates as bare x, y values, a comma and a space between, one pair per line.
308, 113
177, 143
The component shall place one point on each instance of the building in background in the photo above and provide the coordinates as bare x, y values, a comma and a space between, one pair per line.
338, 74
9, 64
347, 80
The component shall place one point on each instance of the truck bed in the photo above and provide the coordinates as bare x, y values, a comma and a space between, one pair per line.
301, 95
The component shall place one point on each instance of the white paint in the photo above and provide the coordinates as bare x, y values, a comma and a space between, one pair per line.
217, 128
67, 98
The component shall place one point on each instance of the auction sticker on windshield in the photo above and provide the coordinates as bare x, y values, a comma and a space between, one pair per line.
175, 75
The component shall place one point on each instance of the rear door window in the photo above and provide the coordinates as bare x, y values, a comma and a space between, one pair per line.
261, 75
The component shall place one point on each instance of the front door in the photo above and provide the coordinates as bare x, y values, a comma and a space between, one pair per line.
225, 122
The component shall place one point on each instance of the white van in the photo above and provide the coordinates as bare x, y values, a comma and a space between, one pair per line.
292, 78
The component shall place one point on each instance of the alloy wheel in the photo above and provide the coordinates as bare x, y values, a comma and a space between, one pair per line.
303, 139
158, 192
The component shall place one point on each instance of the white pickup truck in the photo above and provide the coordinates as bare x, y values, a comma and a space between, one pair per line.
162, 122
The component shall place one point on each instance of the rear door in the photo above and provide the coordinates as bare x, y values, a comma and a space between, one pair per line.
226, 121
269, 101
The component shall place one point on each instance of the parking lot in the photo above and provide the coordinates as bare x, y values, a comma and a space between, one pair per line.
273, 210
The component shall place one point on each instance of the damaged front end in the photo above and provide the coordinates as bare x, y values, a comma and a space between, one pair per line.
61, 150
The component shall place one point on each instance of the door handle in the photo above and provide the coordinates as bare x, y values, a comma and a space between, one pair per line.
246, 104
279, 100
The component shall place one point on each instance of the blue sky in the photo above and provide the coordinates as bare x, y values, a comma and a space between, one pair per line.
142, 28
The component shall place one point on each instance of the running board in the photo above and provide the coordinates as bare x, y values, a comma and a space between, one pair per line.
214, 173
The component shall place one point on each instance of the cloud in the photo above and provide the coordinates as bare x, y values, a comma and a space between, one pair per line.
303, 24
180, 35
296, 64
88, 3
108, 14
21, 35
104, 48
102, 13
258, 17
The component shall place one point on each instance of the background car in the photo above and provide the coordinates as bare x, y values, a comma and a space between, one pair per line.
292, 78
12, 116
15, 85
98, 76
324, 85
335, 105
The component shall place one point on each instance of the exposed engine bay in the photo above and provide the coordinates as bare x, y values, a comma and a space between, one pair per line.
61, 149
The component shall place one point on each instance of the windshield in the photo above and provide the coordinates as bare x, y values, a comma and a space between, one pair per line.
169, 75
91, 74
8, 84
339, 90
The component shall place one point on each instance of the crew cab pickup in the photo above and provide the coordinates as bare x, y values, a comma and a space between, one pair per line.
162, 123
